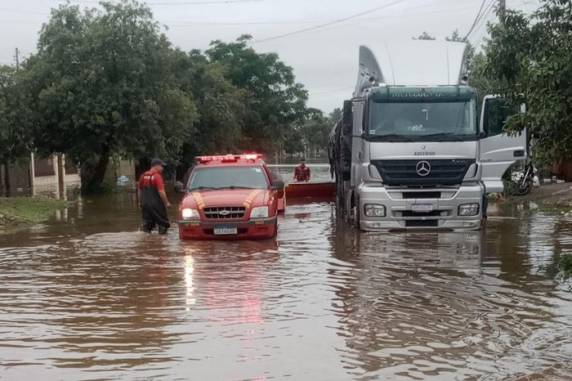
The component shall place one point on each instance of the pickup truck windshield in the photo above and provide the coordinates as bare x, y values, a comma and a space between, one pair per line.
228, 178
422, 121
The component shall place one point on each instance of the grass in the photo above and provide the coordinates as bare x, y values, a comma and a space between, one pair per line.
25, 210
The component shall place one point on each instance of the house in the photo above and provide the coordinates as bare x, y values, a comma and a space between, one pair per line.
35, 176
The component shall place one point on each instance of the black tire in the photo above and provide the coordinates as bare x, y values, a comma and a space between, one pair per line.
524, 189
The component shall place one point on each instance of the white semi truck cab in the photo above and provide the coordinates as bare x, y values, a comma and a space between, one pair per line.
411, 151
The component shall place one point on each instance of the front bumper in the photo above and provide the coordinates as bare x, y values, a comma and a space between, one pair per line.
401, 214
204, 230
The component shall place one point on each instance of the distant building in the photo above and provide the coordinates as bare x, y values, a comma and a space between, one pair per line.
46, 176
36, 176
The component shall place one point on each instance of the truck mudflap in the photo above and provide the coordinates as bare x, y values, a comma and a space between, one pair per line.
437, 208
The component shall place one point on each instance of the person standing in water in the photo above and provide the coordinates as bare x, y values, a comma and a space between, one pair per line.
302, 172
153, 199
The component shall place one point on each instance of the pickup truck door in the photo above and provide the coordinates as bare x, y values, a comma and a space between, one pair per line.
497, 149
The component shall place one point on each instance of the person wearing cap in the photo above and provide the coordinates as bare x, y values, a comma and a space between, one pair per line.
153, 199
302, 173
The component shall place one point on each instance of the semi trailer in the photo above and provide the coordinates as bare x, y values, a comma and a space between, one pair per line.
411, 150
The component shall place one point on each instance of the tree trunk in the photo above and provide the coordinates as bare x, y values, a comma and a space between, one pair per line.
142, 165
61, 178
7, 180
93, 174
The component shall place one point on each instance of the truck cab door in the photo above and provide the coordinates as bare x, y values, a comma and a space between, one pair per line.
497, 149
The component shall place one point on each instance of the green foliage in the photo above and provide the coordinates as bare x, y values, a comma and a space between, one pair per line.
311, 136
221, 105
15, 118
106, 82
335, 115
103, 84
273, 102
529, 60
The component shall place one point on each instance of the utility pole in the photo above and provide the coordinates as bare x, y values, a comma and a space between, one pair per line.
17, 58
502, 10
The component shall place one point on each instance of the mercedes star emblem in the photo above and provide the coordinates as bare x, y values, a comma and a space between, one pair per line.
423, 168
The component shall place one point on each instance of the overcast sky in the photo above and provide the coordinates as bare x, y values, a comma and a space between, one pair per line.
324, 59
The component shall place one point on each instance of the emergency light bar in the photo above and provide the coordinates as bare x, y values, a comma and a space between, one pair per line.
230, 158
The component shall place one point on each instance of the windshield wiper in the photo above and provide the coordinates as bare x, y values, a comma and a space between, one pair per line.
446, 136
239, 187
392, 138
202, 189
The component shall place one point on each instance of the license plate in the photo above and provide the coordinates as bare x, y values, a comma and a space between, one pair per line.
225, 230
422, 208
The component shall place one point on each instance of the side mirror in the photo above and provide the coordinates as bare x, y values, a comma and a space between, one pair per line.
277, 185
179, 187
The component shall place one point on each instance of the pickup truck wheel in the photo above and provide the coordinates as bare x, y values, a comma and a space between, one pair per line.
356, 215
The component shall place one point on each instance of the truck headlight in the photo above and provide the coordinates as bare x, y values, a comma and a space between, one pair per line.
468, 210
259, 212
374, 210
189, 214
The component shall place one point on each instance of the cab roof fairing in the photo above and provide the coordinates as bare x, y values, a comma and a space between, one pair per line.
411, 63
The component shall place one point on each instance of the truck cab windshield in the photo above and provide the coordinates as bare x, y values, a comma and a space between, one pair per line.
422, 120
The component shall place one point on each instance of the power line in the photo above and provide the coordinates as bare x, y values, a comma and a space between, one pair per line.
337, 21
486, 12
483, 22
190, 23
175, 3
479, 13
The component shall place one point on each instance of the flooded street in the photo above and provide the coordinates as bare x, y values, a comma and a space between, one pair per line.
90, 298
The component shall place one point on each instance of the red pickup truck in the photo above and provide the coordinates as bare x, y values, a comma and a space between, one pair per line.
231, 197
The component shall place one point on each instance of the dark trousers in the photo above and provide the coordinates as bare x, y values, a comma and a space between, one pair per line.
155, 215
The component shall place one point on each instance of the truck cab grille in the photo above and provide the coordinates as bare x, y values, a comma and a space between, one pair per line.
441, 172
225, 213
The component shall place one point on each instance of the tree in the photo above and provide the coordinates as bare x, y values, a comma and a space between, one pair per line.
424, 36
529, 60
335, 116
15, 119
221, 105
103, 84
274, 102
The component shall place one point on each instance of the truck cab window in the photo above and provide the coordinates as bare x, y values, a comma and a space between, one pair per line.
497, 112
421, 120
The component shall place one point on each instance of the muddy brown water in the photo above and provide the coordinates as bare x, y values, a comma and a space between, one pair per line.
90, 298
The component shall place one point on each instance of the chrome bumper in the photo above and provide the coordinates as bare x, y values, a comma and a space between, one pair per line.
401, 212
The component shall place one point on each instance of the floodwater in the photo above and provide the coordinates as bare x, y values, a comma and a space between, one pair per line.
90, 298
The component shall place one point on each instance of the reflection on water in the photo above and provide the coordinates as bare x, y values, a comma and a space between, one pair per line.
90, 298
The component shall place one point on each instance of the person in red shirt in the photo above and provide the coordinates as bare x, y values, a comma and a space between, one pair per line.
153, 199
302, 173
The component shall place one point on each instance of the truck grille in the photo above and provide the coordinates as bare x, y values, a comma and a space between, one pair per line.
404, 172
225, 213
